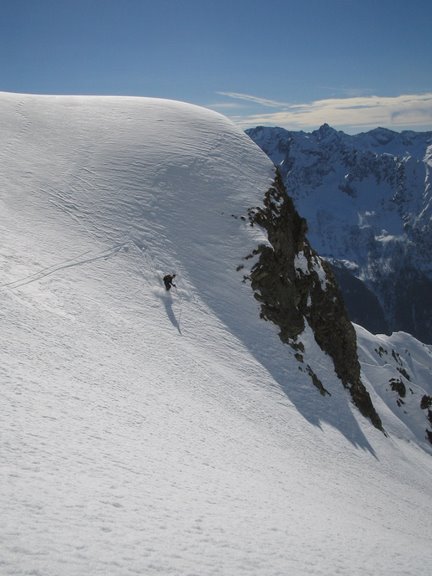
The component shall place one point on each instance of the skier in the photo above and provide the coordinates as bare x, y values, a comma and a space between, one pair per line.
168, 281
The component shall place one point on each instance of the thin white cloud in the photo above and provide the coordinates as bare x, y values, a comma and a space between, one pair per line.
406, 110
347, 92
255, 99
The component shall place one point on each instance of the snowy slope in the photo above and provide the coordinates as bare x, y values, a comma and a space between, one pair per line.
399, 370
152, 433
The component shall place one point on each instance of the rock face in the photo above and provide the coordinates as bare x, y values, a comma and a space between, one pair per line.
368, 203
294, 286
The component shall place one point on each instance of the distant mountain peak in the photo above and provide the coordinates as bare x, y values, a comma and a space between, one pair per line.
325, 132
383, 135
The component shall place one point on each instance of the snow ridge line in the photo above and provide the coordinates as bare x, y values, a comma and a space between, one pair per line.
70, 263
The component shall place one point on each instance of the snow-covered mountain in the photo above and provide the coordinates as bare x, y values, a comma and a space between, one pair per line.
368, 203
224, 427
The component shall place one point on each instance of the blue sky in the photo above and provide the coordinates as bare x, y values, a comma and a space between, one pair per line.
355, 64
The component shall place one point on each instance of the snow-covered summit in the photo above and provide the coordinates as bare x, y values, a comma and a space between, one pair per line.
150, 432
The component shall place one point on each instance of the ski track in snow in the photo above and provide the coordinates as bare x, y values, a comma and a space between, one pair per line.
146, 432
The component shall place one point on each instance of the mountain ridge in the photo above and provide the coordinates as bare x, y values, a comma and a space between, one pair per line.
367, 200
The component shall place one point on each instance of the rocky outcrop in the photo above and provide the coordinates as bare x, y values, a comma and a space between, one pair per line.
294, 286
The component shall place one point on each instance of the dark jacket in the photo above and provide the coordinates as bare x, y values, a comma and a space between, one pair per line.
168, 281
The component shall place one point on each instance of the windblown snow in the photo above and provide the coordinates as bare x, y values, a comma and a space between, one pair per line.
146, 432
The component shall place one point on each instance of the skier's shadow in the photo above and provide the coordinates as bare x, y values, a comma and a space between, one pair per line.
167, 300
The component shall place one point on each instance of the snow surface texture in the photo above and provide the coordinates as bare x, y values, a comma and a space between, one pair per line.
146, 432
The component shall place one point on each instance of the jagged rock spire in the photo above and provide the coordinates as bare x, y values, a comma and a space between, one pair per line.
293, 285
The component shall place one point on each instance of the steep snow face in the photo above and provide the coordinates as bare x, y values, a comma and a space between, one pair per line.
150, 432
160, 179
